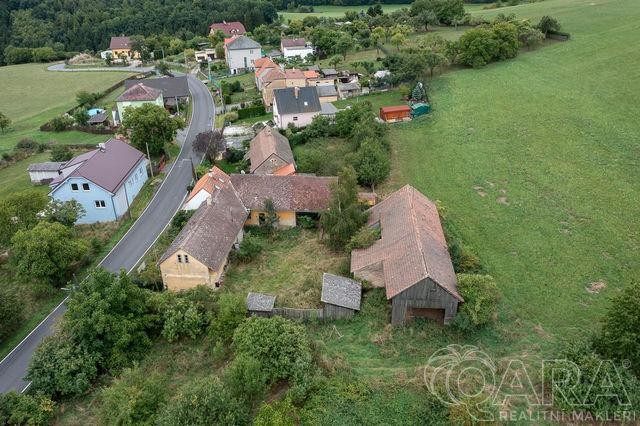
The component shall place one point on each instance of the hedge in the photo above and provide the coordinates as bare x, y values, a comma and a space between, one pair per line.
254, 111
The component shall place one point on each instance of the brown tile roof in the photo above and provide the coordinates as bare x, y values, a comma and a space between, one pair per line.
412, 247
289, 169
208, 182
274, 74
264, 62
229, 28
311, 74
267, 142
294, 73
293, 42
300, 193
139, 92
210, 233
120, 43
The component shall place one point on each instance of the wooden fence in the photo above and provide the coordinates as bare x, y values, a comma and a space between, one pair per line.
299, 314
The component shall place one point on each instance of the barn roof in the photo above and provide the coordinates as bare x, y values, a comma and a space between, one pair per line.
341, 291
260, 302
266, 143
412, 247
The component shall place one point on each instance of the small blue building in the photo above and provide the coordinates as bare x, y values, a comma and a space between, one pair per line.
105, 181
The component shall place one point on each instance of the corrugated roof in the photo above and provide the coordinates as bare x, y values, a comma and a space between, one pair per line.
106, 168
210, 233
412, 247
139, 92
341, 291
242, 42
171, 87
288, 103
260, 302
266, 143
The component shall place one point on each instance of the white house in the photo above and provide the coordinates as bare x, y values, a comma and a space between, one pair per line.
292, 47
296, 106
240, 53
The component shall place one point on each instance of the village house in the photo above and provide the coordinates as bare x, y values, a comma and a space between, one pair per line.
120, 47
105, 181
327, 93
241, 53
175, 90
410, 260
263, 66
134, 97
270, 152
295, 106
292, 47
224, 204
229, 29
349, 90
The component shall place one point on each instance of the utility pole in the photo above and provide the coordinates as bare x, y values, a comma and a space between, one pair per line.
150, 162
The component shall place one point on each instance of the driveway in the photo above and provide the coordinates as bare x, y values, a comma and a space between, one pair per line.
132, 68
136, 242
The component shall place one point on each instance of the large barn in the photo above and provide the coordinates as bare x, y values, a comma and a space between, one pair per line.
410, 260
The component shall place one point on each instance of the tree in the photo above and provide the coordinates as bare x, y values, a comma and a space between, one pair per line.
5, 122
61, 368
19, 211
245, 379
481, 295
46, 253
377, 35
61, 153
425, 18
162, 67
85, 98
210, 143
65, 212
371, 163
151, 125
343, 45
477, 47
23, 409
345, 215
335, 60
11, 311
434, 60
398, 39
81, 116
619, 336
506, 36
279, 345
548, 24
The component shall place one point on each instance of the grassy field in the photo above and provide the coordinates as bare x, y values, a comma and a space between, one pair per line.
32, 96
337, 11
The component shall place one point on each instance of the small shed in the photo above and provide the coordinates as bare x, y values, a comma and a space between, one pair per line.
340, 295
260, 305
100, 118
392, 114
42, 173
420, 109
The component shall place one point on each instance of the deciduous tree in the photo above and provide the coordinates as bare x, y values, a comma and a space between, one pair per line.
210, 143
151, 124
5, 122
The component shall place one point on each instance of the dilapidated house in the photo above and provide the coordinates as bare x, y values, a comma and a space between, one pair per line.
269, 151
410, 260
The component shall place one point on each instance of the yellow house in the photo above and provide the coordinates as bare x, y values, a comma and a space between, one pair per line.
200, 252
120, 46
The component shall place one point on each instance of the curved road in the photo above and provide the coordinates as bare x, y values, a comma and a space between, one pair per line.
136, 242
131, 68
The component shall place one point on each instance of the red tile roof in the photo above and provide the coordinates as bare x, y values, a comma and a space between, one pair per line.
209, 181
120, 43
139, 92
311, 74
288, 170
229, 28
412, 247
294, 73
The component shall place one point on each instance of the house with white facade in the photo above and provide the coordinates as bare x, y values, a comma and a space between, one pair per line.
296, 106
292, 47
105, 181
134, 97
241, 53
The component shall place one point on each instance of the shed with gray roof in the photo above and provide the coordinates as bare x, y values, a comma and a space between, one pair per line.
41, 173
260, 305
341, 296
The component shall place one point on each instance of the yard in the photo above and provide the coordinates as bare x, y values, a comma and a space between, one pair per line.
33, 96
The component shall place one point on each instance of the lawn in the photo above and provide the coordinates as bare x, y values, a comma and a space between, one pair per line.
337, 11
15, 177
33, 95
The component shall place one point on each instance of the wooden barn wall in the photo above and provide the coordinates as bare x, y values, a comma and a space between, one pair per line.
425, 294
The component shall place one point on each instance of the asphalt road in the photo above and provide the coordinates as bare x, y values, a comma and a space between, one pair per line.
136, 242
132, 68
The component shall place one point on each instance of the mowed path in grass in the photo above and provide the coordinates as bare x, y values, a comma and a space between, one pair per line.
537, 162
32, 96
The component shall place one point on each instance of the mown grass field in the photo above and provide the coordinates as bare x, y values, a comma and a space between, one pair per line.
32, 96
337, 11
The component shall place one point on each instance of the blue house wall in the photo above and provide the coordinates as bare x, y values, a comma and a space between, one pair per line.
101, 205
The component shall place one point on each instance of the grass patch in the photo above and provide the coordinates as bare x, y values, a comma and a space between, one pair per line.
337, 11
15, 177
377, 99
290, 267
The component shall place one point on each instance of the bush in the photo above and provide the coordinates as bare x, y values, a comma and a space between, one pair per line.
27, 145
253, 111
231, 116
245, 379
61, 153
307, 222
231, 311
23, 409
548, 24
234, 155
134, 398
11, 312
81, 115
280, 413
364, 238
477, 47
182, 318
463, 259
280, 345
61, 123
250, 247
62, 368
203, 401
481, 295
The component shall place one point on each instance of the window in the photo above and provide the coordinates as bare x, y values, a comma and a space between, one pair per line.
295, 118
85, 186
100, 204
186, 258
74, 186
179, 258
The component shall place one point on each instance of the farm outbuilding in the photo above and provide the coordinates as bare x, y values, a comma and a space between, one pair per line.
260, 305
391, 114
420, 109
340, 295
41, 173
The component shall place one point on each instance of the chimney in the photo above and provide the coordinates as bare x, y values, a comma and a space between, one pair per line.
296, 90
209, 201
